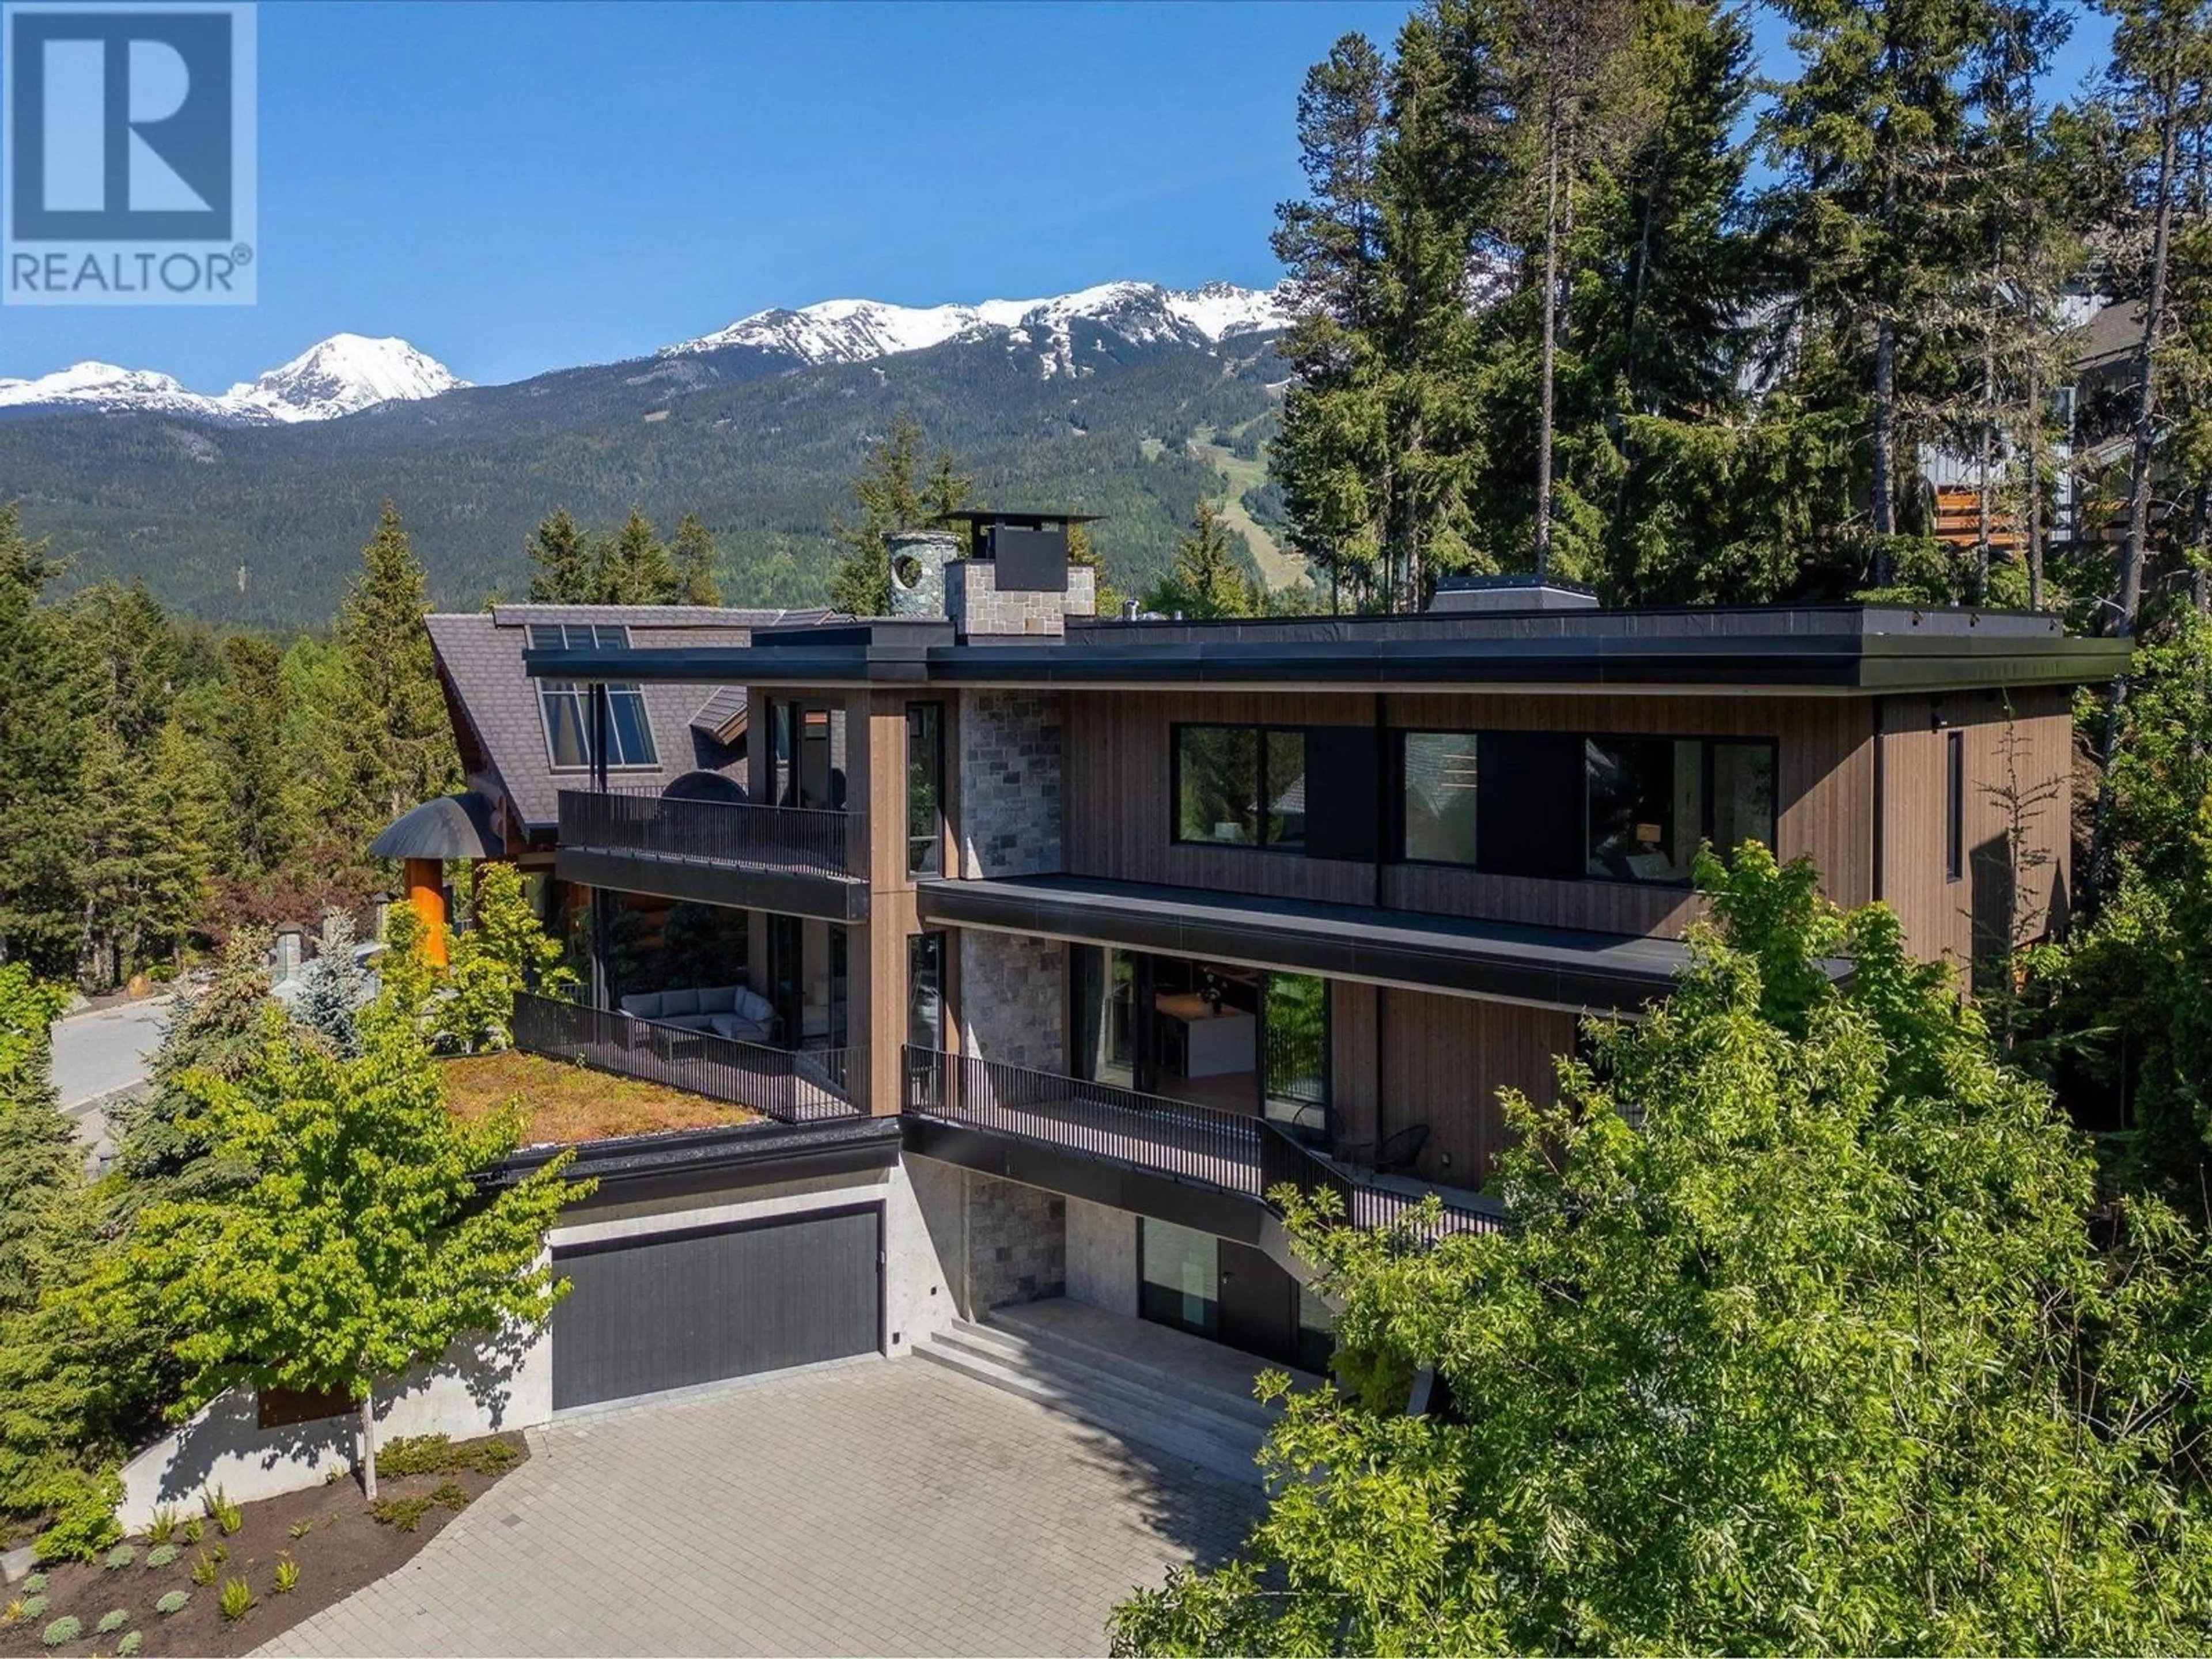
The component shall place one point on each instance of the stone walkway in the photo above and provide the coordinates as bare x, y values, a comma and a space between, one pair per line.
871, 1507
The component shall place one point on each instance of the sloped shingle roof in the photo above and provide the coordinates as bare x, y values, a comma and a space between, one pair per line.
480, 655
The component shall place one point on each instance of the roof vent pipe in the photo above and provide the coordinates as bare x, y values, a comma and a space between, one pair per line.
1129, 612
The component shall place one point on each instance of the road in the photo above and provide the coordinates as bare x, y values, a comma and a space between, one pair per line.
98, 1056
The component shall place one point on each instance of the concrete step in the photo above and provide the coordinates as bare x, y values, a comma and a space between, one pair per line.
1195, 1406
1196, 1423
1146, 1352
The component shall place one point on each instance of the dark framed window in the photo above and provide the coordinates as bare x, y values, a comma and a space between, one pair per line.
1954, 805
1652, 801
1239, 786
1437, 772
925, 789
565, 706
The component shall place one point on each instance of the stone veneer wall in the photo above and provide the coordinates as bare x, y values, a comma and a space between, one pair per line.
1013, 998
972, 599
1010, 782
1001, 1241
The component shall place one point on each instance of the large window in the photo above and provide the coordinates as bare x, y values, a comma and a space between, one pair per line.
925, 788
1652, 800
566, 705
1954, 805
1436, 776
1563, 806
925, 992
1241, 785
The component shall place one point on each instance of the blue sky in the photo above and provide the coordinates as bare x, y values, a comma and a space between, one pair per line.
518, 187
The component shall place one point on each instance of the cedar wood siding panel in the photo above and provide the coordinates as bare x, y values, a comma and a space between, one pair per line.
1942, 917
1443, 1060
1119, 815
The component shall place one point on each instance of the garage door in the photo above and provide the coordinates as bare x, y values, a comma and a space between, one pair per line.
708, 1303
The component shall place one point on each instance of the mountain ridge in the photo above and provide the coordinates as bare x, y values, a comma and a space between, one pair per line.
337, 376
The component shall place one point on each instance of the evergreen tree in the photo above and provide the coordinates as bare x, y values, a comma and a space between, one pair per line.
1868, 213
218, 1031
562, 554
632, 566
41, 751
693, 550
397, 716
1208, 580
262, 821
142, 883
892, 494
334, 987
55, 1459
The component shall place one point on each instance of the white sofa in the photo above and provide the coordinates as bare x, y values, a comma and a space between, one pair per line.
736, 1012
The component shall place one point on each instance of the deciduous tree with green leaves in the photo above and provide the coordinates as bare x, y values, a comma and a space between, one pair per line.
361, 1246
505, 950
1800, 1339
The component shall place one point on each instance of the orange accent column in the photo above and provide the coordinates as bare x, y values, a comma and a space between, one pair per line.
426, 891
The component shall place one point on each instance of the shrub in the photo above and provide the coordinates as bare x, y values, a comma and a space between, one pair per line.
452, 1495
67, 1628
237, 1598
113, 1619
174, 1602
288, 1575
35, 1584
301, 1528
205, 1569
163, 1527
161, 1554
33, 1606
496, 1457
129, 1646
416, 1453
121, 1556
12, 1611
404, 1513
193, 1531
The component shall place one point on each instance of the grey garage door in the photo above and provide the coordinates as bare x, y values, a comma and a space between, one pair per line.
696, 1306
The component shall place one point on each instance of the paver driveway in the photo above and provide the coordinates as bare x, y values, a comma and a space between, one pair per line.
878, 1506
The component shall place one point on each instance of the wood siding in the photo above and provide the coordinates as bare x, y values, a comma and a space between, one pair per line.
2016, 810
1120, 809
1442, 1061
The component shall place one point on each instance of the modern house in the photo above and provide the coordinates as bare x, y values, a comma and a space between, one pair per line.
1046, 946
1124, 922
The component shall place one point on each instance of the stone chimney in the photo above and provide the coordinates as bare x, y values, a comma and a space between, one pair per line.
920, 559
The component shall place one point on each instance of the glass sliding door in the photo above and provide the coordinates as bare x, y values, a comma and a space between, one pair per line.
1295, 1019
1179, 1276
1109, 991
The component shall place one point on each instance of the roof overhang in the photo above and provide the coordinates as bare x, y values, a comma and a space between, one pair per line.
1556, 967
450, 827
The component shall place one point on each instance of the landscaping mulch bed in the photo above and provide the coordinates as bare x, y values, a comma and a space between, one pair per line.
328, 1532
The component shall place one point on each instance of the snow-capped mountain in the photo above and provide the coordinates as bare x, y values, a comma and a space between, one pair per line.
344, 373
857, 331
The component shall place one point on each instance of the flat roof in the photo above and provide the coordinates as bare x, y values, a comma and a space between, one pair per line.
1563, 968
1844, 648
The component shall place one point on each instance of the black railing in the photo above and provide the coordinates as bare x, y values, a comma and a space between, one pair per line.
810, 839
1286, 1161
1171, 1136
1229, 1150
804, 1085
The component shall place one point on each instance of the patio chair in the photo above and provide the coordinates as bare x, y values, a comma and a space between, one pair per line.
1399, 1152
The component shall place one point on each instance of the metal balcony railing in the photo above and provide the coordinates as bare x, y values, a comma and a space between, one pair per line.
801, 1085
1229, 1150
808, 841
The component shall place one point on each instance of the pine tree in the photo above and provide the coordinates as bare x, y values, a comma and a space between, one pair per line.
1208, 580
562, 554
694, 556
398, 715
1869, 137
142, 884
893, 495
334, 987
264, 821
632, 566
43, 695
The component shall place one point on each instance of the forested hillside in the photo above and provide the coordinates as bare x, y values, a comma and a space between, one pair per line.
261, 526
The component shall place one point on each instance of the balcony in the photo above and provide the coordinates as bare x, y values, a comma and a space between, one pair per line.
801, 1085
801, 861
1232, 1153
